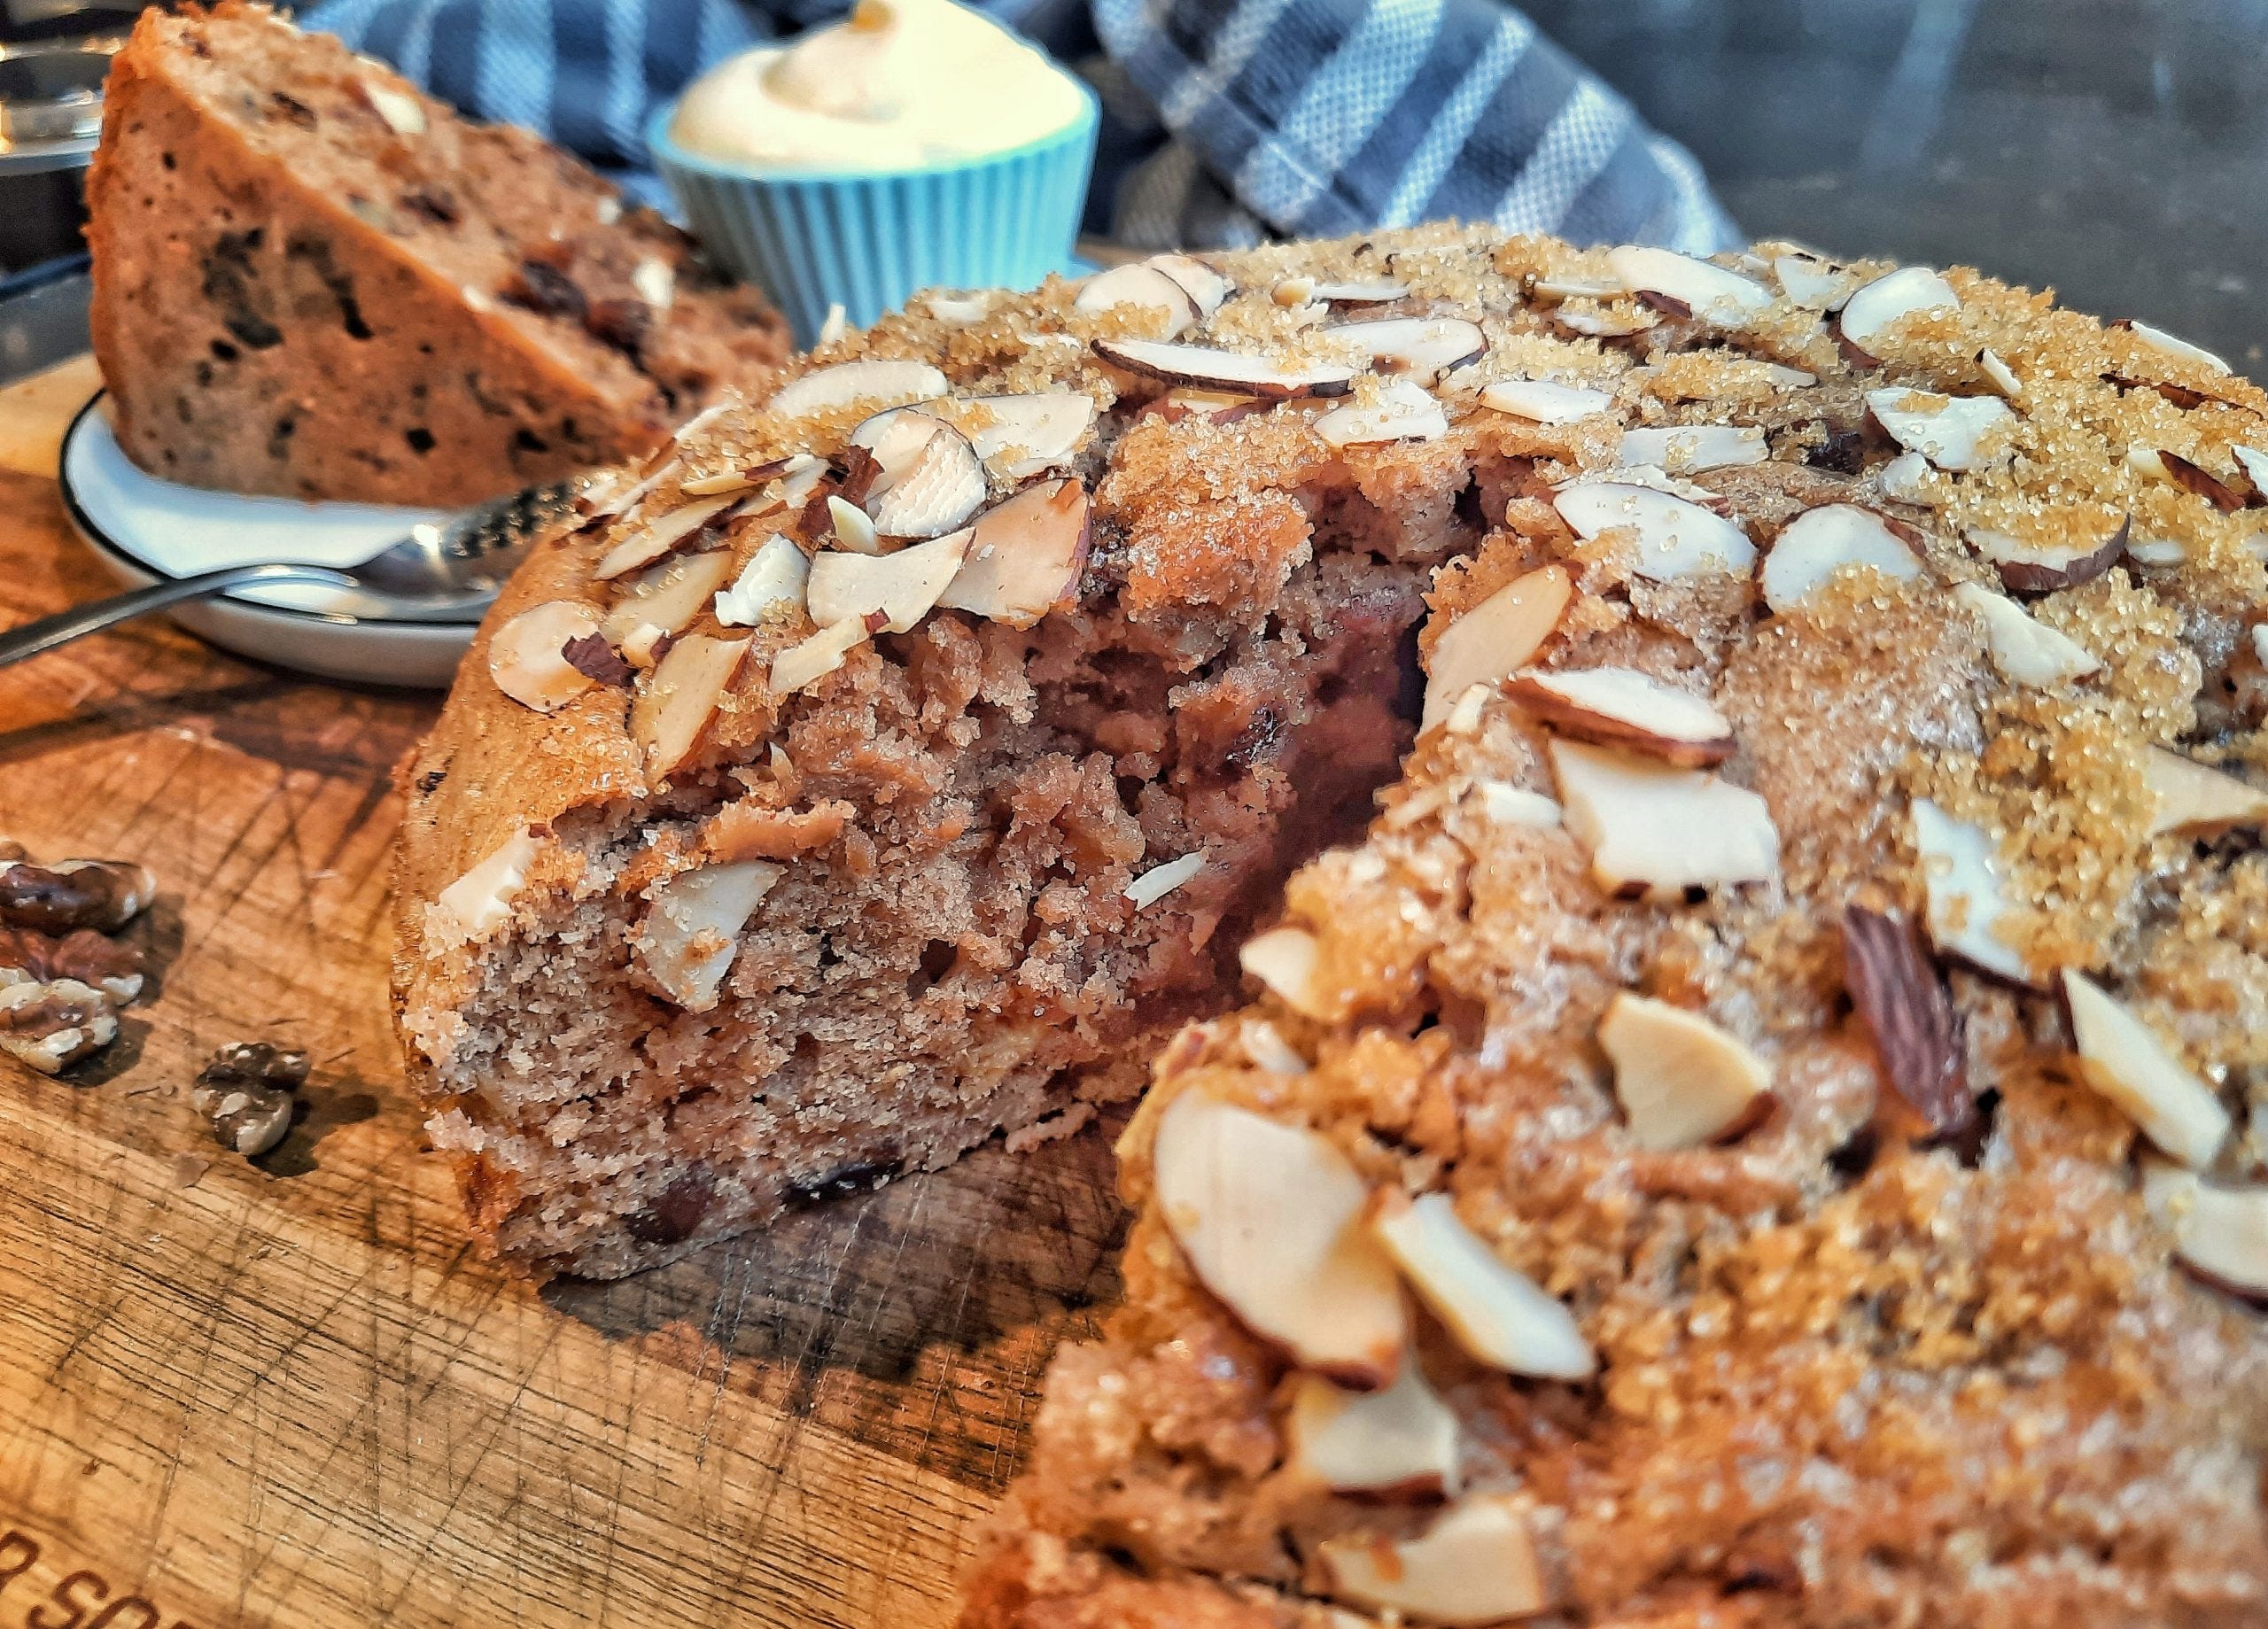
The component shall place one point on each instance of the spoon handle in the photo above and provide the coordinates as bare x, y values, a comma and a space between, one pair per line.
45, 634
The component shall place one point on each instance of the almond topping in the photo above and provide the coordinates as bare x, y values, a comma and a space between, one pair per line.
1500, 1316
2124, 1060
1621, 707
1398, 1443
902, 588
1657, 830
663, 535
479, 901
1887, 300
775, 576
2025, 650
1270, 1217
2220, 1234
1402, 412
526, 656
1953, 432
1422, 348
1902, 999
1476, 1564
1676, 537
1821, 544
1209, 369
1684, 1082
670, 717
805, 664
1145, 288
1284, 959
1025, 556
1960, 874
829, 390
1684, 448
1491, 640
1543, 401
2029, 569
2197, 800
1687, 287
690, 932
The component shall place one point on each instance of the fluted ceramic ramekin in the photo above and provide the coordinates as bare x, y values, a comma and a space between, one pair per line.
866, 240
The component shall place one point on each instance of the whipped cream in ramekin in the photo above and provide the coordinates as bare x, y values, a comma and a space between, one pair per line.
899, 85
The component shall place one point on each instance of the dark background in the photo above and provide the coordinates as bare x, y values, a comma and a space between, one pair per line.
2114, 150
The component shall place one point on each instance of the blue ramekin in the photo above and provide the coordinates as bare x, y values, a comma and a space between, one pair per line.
866, 240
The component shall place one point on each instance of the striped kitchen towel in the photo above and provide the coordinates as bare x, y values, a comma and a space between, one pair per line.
1226, 121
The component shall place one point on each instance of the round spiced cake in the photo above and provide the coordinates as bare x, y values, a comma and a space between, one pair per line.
1763, 1125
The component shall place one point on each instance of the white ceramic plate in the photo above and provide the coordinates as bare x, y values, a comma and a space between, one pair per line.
142, 529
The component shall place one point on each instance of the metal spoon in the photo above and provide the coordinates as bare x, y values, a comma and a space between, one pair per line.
443, 571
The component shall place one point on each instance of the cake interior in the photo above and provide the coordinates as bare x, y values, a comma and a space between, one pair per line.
951, 949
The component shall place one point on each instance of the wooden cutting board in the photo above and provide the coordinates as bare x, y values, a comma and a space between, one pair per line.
289, 1392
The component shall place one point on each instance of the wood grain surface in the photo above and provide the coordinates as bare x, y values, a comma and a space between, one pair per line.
289, 1391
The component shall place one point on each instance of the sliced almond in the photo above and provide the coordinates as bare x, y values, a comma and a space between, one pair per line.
2254, 463
1284, 959
2196, 799
1400, 1443
852, 527
1500, 1316
663, 534
403, 112
1271, 1217
1907, 478
849, 384
1206, 288
1209, 369
2166, 344
927, 478
2219, 1233
1420, 348
1684, 448
1812, 283
654, 280
1291, 293
2172, 469
2025, 650
1621, 707
1656, 830
1494, 638
1543, 401
1684, 1082
1608, 322
2027, 568
903, 588
525, 659
1025, 556
1961, 877
1999, 374
774, 580
1952, 432
1820, 543
1676, 537
1887, 300
671, 717
1403, 411
1902, 999
661, 600
480, 902
1360, 292
1023, 436
814, 658
1159, 880
2123, 1059
1476, 1564
1507, 805
1569, 286
1687, 287
1166, 306
690, 932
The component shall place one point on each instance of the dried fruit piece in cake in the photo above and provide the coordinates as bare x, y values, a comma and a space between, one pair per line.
1798, 1085
311, 279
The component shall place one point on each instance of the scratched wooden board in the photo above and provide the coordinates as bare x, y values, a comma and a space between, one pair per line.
290, 1391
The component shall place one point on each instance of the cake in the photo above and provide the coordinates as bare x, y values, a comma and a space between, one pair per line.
312, 279
853, 784
1766, 1128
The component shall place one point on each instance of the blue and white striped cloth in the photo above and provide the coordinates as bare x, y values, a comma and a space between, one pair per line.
1226, 121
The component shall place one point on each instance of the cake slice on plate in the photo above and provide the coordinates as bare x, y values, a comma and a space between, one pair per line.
314, 281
